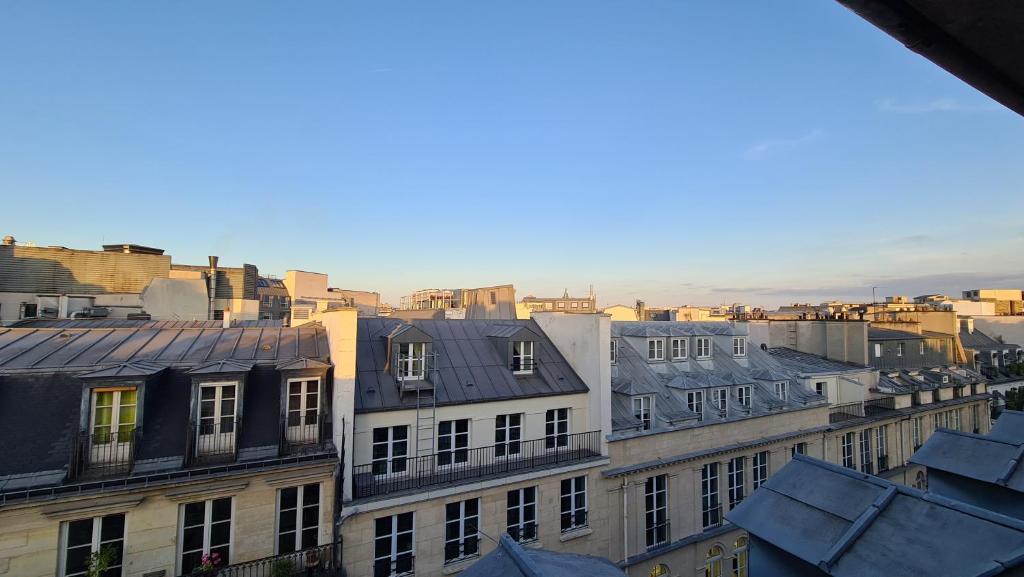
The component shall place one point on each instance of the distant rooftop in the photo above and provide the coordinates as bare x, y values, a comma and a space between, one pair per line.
132, 249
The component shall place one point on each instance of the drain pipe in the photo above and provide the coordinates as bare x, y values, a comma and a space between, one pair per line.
625, 523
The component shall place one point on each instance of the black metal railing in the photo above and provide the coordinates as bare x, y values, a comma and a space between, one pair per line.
213, 440
103, 454
659, 535
845, 411
880, 404
305, 433
461, 464
320, 561
523, 365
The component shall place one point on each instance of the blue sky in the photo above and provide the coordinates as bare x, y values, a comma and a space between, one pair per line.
679, 152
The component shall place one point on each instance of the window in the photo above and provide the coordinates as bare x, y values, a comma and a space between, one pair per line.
899, 349
521, 515
739, 347
782, 391
614, 350
205, 529
656, 510
556, 428
461, 535
866, 460
821, 387
922, 347
936, 421
112, 426
703, 347
679, 351
298, 518
659, 570
585, 305
722, 400
695, 402
847, 447
452, 442
878, 350
412, 361
713, 562
760, 468
574, 305
655, 350
303, 410
975, 424
494, 297
216, 418
393, 545
800, 449
642, 410
390, 449
917, 425
507, 433
739, 558
30, 311
522, 357
955, 413
711, 506
882, 448
80, 539
743, 395
734, 478
561, 304
574, 503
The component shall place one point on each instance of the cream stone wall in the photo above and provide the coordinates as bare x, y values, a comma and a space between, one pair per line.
30, 533
357, 529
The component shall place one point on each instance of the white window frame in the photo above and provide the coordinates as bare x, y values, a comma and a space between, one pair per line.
739, 346
899, 349
577, 487
722, 399
525, 358
458, 442
878, 350
557, 427
821, 387
302, 432
412, 361
509, 446
782, 390
224, 439
95, 545
117, 445
655, 507
922, 347
468, 531
393, 537
703, 348
680, 348
955, 424
207, 530
743, 395
396, 462
655, 349
525, 510
300, 505
916, 425
710, 495
849, 460
614, 350
695, 402
735, 480
882, 446
759, 468
643, 409
799, 449
867, 461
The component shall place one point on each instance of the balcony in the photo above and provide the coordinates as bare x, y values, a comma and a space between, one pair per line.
304, 434
879, 405
845, 411
460, 465
102, 454
212, 441
321, 561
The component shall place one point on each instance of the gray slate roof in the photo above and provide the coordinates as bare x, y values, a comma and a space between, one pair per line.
978, 457
813, 364
852, 525
469, 368
510, 559
880, 334
50, 349
979, 341
1009, 427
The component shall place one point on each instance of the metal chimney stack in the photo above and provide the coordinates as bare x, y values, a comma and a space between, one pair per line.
213, 287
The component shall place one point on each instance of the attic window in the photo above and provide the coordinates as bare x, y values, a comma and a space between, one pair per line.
642, 409
522, 357
703, 347
411, 361
781, 391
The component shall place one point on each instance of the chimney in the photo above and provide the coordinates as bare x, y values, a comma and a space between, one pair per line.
212, 280
227, 319
967, 324
8, 240
641, 310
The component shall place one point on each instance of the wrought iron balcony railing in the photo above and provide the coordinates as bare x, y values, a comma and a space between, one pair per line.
308, 433
103, 454
320, 561
446, 467
213, 440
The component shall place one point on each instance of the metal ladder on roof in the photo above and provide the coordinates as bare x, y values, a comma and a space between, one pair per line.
426, 408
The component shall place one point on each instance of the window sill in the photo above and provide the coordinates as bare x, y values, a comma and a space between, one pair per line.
575, 534
459, 565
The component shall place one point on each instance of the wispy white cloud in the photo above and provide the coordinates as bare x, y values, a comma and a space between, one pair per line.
938, 105
775, 146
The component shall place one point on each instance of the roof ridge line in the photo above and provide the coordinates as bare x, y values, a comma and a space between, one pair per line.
859, 526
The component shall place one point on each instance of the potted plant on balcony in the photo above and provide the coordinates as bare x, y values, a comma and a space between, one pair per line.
100, 561
209, 565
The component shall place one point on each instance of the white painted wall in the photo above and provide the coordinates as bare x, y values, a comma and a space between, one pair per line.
340, 325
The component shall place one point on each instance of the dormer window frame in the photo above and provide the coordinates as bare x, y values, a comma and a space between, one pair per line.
680, 348
782, 390
523, 362
695, 403
643, 410
739, 347
704, 348
721, 399
613, 351
655, 350
743, 394
406, 365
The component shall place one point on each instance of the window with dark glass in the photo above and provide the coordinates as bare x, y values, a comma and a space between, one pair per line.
298, 518
556, 428
390, 449
656, 510
452, 442
507, 434
461, 530
521, 514
393, 545
81, 539
574, 503
205, 529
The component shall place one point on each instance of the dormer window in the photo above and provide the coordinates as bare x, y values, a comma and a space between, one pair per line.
739, 347
722, 399
642, 410
655, 350
743, 395
522, 357
703, 347
899, 349
303, 415
412, 361
782, 390
216, 419
695, 402
945, 378
679, 351
995, 359
922, 347
614, 350
112, 426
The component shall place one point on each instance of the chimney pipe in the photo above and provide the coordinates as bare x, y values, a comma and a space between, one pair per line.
227, 319
212, 280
